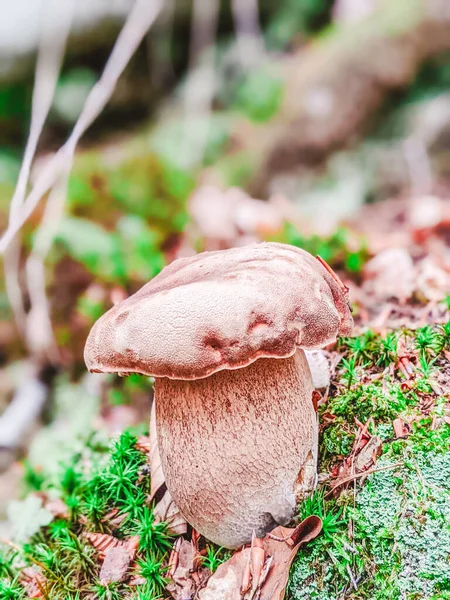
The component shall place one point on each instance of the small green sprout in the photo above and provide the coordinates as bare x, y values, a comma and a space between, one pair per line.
215, 557
428, 341
152, 570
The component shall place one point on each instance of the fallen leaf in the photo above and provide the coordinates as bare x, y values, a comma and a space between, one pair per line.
115, 518
257, 560
115, 566
401, 429
284, 553
368, 455
226, 582
363, 456
103, 542
316, 398
34, 582
280, 547
187, 578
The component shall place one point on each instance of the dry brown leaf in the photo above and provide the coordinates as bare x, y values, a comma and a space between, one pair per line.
364, 454
115, 566
115, 518
103, 542
226, 582
280, 547
187, 578
33, 581
368, 455
401, 429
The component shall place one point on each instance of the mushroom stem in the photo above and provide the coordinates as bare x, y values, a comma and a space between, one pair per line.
239, 448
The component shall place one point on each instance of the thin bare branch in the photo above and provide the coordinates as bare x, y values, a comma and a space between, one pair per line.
159, 46
136, 26
39, 329
22, 412
50, 54
200, 84
248, 32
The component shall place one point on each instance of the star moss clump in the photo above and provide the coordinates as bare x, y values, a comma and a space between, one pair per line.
101, 491
390, 534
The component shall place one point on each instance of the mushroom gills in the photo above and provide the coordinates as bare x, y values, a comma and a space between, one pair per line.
239, 447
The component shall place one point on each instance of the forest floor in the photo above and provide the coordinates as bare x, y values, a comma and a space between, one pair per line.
77, 516
86, 528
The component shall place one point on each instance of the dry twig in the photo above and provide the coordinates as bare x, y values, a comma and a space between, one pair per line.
136, 26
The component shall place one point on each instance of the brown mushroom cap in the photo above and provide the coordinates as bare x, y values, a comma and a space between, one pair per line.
221, 310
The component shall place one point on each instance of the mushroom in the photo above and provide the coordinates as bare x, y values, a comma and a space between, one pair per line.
224, 335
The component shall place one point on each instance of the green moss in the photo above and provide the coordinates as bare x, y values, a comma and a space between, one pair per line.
340, 250
102, 482
237, 169
336, 440
320, 570
392, 534
371, 400
138, 183
121, 212
259, 95
386, 538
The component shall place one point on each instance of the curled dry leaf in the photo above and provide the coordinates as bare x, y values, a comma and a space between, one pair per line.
226, 582
368, 455
252, 579
174, 557
280, 548
102, 541
257, 562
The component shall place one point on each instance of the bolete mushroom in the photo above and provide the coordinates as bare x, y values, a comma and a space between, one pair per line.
223, 334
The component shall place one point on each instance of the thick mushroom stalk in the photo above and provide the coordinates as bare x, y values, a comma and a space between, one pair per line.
239, 448
224, 335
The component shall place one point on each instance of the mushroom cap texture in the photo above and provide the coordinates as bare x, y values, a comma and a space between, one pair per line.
221, 310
